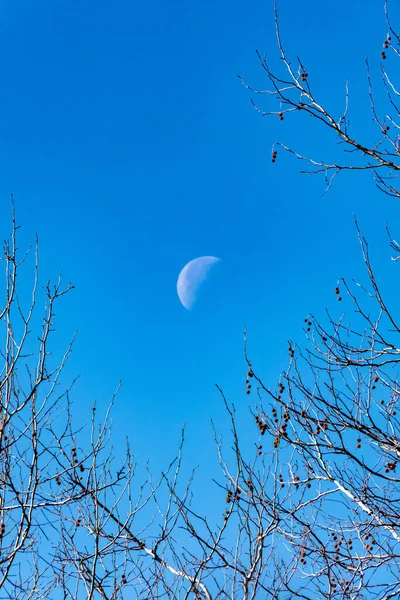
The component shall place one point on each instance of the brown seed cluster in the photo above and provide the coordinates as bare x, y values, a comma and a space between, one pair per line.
262, 426
338, 544
274, 155
337, 292
303, 554
228, 497
385, 47
358, 445
248, 384
390, 466
280, 116
291, 352
350, 544
2, 529
308, 323
123, 579
286, 419
370, 546
304, 75
282, 432
324, 424
280, 479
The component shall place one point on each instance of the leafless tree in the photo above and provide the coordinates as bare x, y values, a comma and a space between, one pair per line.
74, 523
290, 91
71, 523
333, 414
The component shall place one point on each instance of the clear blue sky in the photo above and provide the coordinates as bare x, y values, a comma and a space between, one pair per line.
131, 147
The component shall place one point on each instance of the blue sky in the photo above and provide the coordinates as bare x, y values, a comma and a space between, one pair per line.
131, 148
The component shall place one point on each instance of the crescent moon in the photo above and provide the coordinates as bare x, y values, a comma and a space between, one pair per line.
191, 277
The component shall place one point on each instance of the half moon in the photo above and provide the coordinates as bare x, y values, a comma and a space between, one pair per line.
191, 277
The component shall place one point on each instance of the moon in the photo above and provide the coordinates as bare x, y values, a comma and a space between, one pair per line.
191, 277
